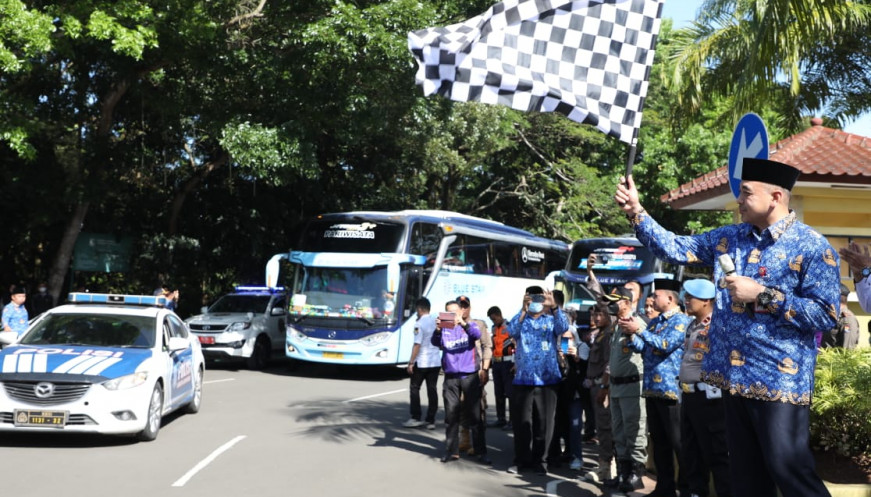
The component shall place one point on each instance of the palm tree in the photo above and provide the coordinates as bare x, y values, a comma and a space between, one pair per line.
793, 52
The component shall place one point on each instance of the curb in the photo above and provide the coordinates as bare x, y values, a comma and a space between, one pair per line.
848, 490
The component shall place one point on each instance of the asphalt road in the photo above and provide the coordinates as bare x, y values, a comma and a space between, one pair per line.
311, 430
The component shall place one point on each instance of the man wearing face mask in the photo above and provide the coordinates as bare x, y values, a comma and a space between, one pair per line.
536, 330
42, 300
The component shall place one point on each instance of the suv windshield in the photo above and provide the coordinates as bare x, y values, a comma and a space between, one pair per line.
241, 303
99, 330
343, 292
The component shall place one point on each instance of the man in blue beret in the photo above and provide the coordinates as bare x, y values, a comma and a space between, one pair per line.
702, 416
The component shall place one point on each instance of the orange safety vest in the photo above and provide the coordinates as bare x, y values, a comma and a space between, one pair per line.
500, 335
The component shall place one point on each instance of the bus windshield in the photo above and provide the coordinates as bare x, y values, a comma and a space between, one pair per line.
343, 293
617, 260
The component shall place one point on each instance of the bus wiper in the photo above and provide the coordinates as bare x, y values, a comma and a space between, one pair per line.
300, 318
366, 320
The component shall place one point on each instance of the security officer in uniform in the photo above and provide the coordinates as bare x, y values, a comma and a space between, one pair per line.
661, 347
702, 416
628, 419
784, 287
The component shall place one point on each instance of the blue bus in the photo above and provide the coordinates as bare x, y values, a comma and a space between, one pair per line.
619, 259
354, 278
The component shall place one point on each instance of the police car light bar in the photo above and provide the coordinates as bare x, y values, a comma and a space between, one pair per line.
108, 298
259, 288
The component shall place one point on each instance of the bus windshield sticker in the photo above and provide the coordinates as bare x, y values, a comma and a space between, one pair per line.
362, 230
619, 259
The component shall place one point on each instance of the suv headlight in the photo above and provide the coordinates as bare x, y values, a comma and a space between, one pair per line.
375, 338
239, 326
125, 382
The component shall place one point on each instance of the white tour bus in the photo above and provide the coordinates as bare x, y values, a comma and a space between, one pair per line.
354, 278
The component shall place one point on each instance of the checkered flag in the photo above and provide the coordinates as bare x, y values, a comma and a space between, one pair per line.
586, 59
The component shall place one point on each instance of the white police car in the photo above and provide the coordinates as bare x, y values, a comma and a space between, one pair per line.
112, 364
249, 323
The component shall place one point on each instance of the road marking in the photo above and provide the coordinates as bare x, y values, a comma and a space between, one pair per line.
218, 381
205, 462
375, 395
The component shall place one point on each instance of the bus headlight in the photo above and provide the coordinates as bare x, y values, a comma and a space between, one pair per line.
375, 338
296, 334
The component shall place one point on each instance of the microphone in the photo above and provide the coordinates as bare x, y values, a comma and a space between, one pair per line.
727, 266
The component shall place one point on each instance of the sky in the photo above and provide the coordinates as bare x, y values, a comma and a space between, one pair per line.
683, 12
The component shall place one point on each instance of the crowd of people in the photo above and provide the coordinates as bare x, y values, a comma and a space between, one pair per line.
718, 371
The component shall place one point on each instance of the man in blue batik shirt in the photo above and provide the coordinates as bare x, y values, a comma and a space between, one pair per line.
783, 288
536, 331
661, 347
15, 317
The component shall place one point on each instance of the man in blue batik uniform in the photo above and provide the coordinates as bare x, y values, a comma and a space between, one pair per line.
784, 287
536, 330
15, 316
661, 347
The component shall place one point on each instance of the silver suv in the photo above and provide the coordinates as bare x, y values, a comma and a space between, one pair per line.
248, 324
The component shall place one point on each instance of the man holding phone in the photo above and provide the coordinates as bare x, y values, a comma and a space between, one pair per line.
536, 330
456, 338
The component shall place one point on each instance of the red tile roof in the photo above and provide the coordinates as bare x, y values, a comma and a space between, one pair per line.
823, 155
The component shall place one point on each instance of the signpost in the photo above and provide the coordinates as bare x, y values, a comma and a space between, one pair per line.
750, 139
102, 253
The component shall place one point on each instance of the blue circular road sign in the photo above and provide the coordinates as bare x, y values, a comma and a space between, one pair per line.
750, 139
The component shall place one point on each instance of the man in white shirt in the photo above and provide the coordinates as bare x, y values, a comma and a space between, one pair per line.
859, 259
424, 365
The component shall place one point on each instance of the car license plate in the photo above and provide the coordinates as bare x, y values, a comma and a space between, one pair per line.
334, 355
207, 340
48, 419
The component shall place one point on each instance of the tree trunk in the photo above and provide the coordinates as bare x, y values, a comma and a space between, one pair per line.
190, 186
65, 251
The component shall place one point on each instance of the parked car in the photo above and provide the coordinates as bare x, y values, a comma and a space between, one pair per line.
249, 323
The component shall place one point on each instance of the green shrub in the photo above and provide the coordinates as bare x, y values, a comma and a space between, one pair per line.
841, 409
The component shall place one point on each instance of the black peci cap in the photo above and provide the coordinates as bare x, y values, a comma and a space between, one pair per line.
666, 284
769, 171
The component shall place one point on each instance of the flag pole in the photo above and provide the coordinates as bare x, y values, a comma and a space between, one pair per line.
630, 159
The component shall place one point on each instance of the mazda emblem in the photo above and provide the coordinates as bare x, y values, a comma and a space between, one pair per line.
43, 390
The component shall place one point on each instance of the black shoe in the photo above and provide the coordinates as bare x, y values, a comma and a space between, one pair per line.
630, 484
540, 469
449, 458
612, 482
483, 459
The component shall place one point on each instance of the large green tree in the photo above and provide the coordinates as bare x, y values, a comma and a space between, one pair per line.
759, 51
209, 130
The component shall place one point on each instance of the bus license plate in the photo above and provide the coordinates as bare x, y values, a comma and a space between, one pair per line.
207, 340
48, 419
334, 355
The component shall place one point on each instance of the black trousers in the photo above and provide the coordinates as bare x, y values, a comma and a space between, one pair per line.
502, 388
703, 444
663, 423
470, 387
769, 449
418, 377
533, 415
